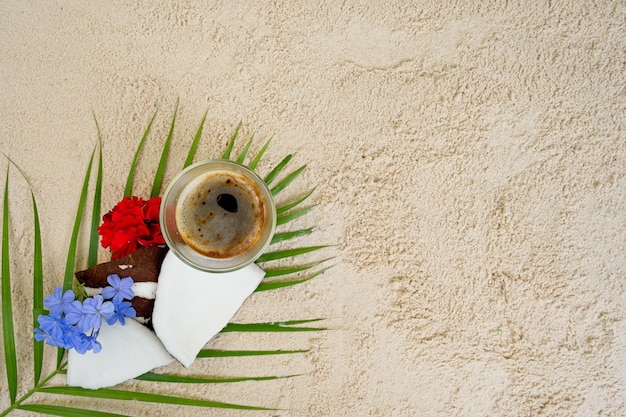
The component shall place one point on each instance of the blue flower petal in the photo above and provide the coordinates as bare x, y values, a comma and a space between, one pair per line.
53, 301
58, 301
73, 312
40, 335
113, 280
109, 292
119, 289
106, 309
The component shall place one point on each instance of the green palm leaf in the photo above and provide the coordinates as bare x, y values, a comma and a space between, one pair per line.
92, 259
70, 263
8, 334
114, 394
277, 169
37, 275
128, 190
154, 377
37, 289
286, 218
275, 272
194, 145
257, 158
231, 143
245, 150
57, 410
285, 326
160, 173
287, 180
272, 285
288, 253
294, 203
283, 236
216, 353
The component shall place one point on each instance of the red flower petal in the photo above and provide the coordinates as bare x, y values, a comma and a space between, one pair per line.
151, 209
132, 222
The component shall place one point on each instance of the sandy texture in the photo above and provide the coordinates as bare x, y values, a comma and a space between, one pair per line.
469, 161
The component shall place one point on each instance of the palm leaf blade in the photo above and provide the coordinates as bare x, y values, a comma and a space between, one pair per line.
179, 379
92, 258
216, 353
286, 218
277, 169
286, 326
275, 272
272, 285
37, 289
114, 394
231, 143
128, 190
283, 236
58, 410
8, 334
70, 262
37, 275
287, 180
160, 173
294, 203
71, 253
287, 253
194, 145
244, 152
257, 158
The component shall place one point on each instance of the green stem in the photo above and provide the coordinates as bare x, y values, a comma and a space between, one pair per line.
41, 384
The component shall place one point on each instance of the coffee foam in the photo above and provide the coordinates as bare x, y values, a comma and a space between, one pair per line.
209, 228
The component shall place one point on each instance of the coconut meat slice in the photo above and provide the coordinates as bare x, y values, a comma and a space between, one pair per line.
128, 351
192, 306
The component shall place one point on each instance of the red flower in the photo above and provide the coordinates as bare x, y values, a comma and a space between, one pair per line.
132, 222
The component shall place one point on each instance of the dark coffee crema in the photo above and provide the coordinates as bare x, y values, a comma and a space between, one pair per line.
220, 214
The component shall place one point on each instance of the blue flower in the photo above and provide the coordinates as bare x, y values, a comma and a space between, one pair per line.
73, 312
74, 339
122, 309
58, 301
92, 343
40, 335
92, 312
52, 329
72, 324
119, 289
83, 343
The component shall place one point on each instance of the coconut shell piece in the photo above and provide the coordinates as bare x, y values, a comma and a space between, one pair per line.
143, 266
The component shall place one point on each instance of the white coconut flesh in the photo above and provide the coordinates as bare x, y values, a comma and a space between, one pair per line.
127, 351
192, 306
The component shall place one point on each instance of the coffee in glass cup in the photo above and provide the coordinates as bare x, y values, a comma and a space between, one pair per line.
218, 215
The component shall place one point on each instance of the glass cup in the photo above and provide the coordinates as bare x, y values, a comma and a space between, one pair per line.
218, 216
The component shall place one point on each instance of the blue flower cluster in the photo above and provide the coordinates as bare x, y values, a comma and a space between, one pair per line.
72, 324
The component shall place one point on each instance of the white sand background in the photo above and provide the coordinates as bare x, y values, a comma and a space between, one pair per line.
470, 165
